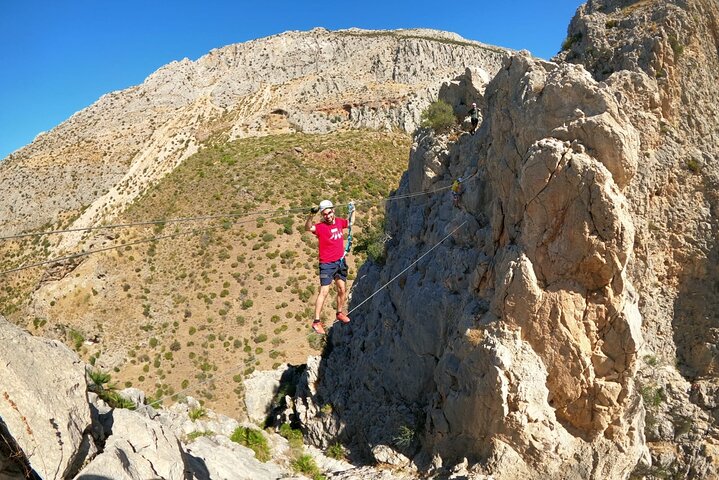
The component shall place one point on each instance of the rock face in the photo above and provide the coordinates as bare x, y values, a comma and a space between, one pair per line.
526, 343
673, 204
104, 156
582, 251
54, 433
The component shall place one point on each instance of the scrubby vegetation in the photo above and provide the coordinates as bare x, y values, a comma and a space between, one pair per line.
233, 292
253, 439
439, 116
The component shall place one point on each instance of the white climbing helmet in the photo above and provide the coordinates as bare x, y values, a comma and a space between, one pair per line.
325, 204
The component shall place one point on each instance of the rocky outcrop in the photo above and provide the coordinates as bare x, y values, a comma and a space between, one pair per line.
264, 390
219, 458
44, 405
673, 204
526, 345
136, 448
586, 227
92, 166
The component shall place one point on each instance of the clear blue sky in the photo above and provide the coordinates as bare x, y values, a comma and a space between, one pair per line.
60, 56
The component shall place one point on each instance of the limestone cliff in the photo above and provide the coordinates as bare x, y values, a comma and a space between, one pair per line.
577, 288
673, 204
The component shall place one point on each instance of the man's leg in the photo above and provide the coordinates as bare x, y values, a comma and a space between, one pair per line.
341, 286
321, 296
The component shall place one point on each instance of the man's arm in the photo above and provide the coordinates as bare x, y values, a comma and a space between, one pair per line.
309, 223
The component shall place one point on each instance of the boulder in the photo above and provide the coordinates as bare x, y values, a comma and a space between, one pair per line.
137, 448
219, 458
43, 402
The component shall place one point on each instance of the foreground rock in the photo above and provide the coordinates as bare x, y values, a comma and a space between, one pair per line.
137, 448
218, 458
44, 402
45, 380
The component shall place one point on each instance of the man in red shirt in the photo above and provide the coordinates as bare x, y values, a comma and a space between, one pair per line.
330, 234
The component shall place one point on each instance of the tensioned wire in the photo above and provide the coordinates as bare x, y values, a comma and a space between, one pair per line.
284, 212
277, 214
222, 374
408, 267
136, 242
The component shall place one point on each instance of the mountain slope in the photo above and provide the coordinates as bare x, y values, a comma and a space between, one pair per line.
100, 159
221, 296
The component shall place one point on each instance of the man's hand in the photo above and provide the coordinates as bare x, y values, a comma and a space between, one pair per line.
314, 209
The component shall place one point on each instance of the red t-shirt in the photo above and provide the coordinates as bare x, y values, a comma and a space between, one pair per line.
331, 240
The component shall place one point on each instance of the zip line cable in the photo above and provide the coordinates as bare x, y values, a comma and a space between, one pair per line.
285, 212
222, 374
148, 222
104, 249
137, 242
408, 267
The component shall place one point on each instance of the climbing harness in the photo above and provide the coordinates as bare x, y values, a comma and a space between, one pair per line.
408, 267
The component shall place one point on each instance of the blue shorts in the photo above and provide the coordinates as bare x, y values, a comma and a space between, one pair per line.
332, 271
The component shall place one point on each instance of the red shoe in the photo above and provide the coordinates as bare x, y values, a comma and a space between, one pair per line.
342, 317
317, 327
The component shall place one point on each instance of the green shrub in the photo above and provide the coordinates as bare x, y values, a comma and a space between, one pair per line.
39, 322
677, 47
293, 436
76, 338
653, 396
197, 413
306, 465
405, 436
114, 400
253, 439
571, 40
693, 165
99, 378
336, 451
373, 243
438, 116
100, 385
192, 436
317, 342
